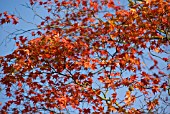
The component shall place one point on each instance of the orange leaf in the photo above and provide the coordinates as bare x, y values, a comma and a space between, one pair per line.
157, 50
86, 64
19, 84
128, 94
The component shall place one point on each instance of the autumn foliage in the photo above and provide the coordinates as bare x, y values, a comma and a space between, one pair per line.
90, 56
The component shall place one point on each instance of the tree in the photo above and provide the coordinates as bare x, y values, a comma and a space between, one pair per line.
93, 56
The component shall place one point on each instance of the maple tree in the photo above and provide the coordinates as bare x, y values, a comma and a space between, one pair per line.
90, 56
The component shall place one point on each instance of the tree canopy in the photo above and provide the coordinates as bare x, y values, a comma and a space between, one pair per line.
89, 56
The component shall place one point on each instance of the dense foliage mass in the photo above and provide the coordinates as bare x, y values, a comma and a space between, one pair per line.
90, 56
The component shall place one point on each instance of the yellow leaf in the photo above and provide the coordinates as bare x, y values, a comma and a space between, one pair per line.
148, 1
111, 22
133, 10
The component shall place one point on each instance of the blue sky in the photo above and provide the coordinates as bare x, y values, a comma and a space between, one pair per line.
16, 7
7, 46
13, 7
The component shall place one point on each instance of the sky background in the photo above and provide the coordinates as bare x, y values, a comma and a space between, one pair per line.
16, 7
8, 46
